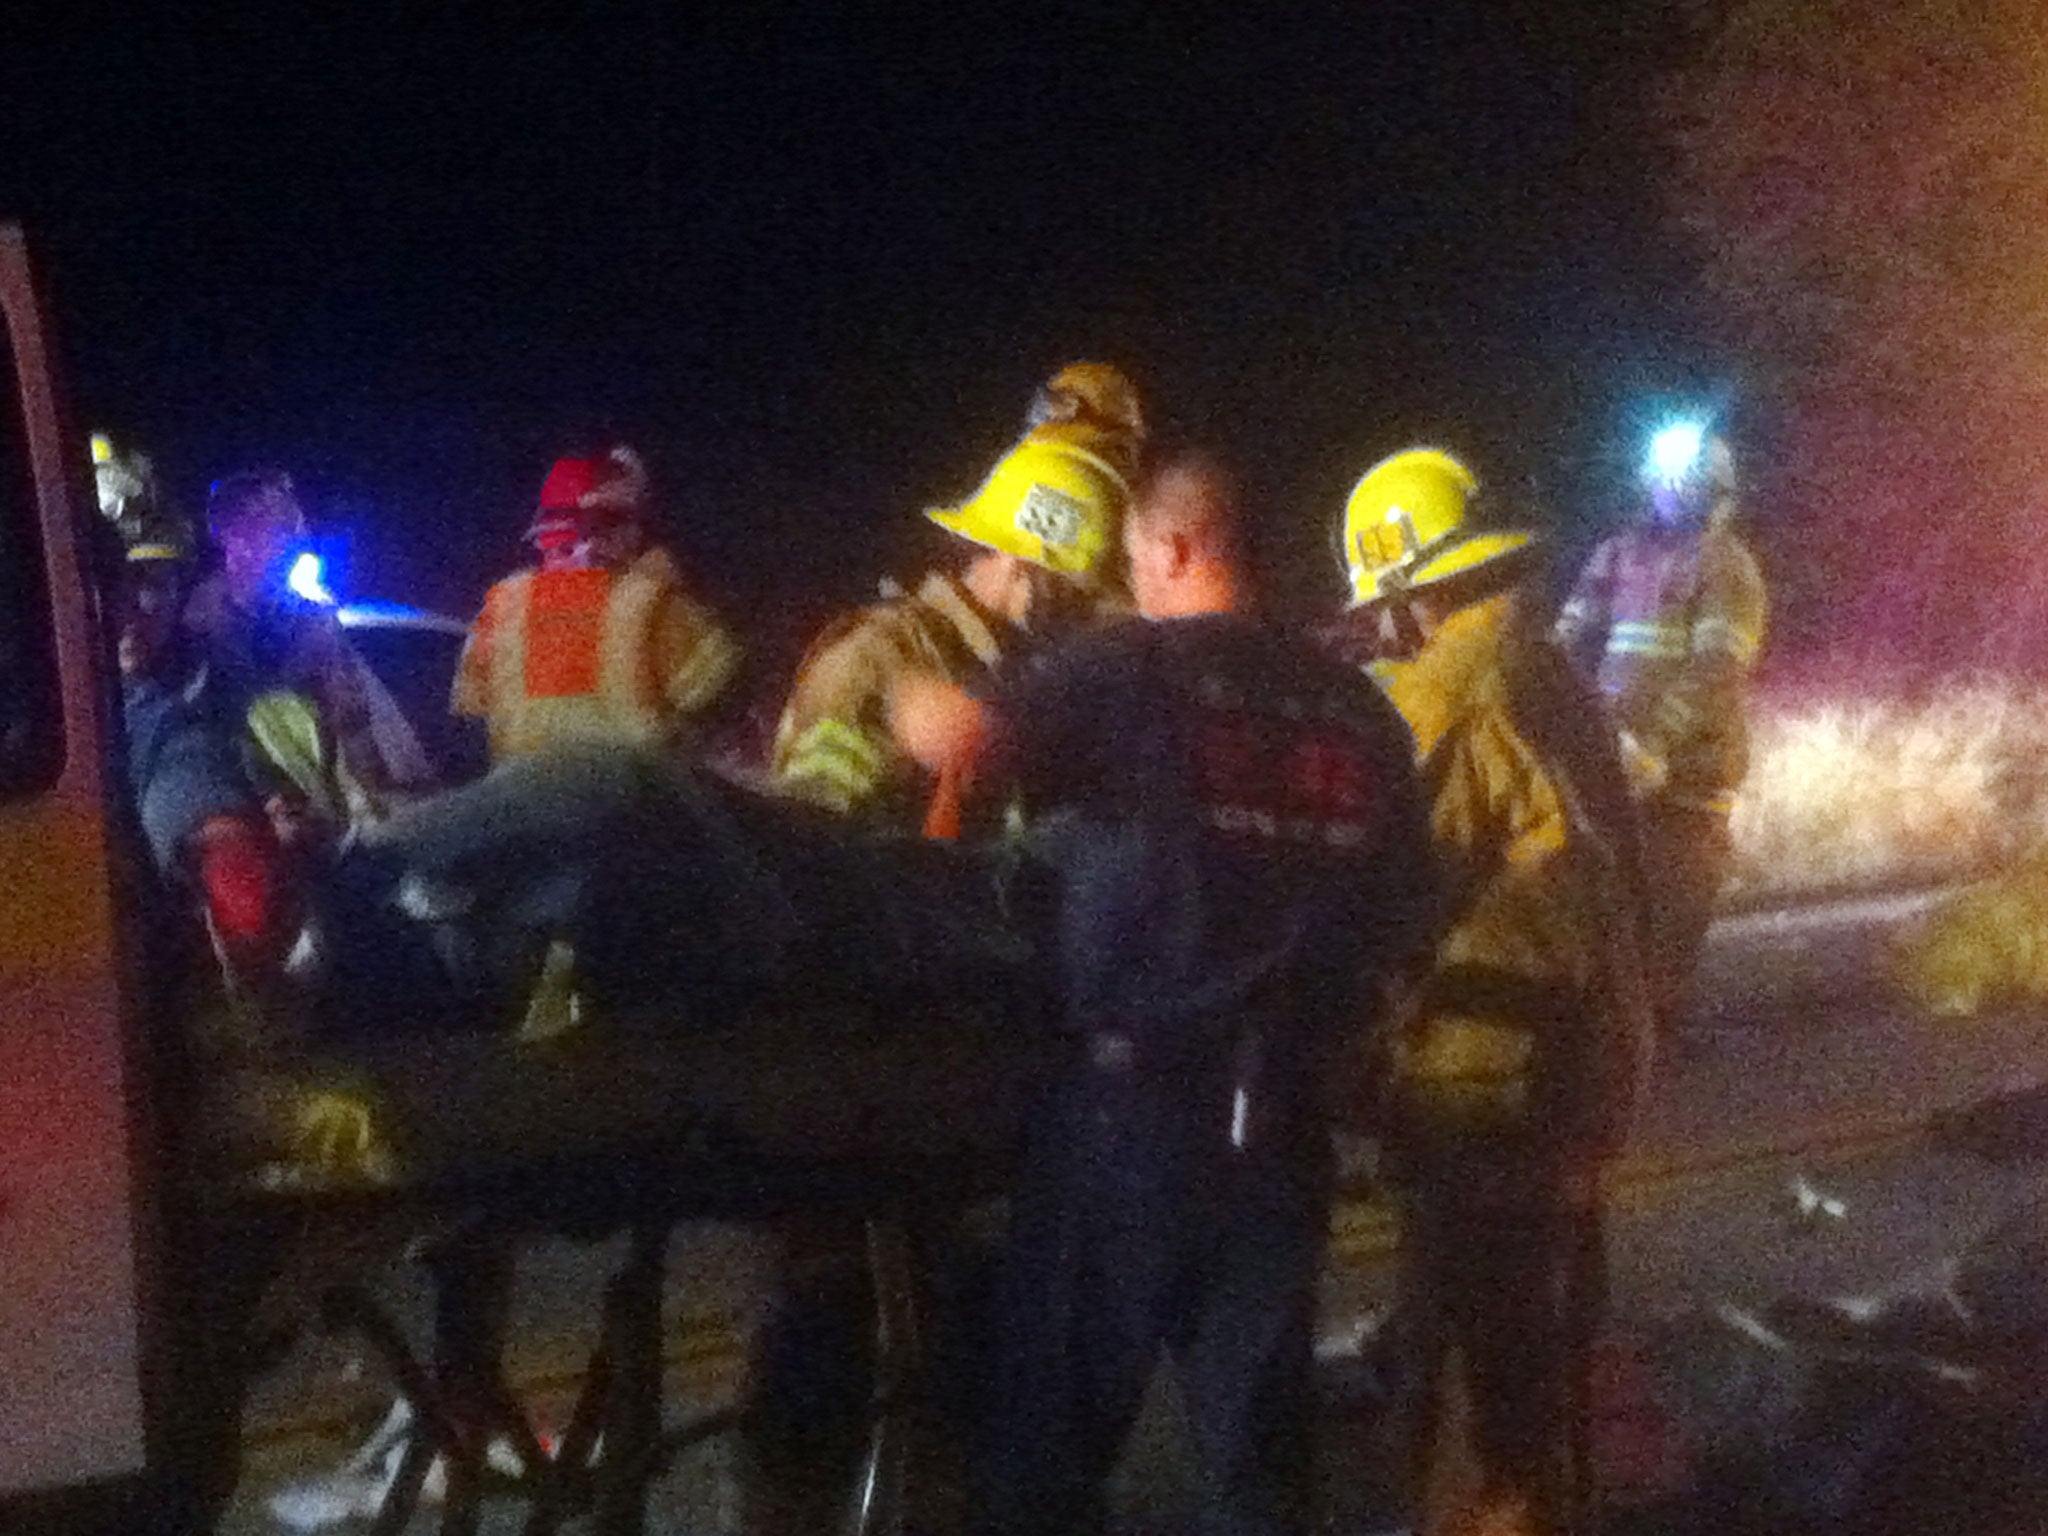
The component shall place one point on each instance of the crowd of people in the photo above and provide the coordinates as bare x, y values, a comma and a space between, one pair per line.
1434, 872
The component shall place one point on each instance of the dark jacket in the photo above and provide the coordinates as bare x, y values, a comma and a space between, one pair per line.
1228, 821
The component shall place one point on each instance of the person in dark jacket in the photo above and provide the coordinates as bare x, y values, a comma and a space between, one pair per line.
264, 640
1232, 855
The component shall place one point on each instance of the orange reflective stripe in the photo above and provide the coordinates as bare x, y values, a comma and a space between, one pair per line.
565, 633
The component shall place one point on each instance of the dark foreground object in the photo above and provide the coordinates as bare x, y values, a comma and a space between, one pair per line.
713, 1074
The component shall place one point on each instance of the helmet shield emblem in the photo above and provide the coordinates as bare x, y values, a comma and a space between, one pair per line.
1052, 517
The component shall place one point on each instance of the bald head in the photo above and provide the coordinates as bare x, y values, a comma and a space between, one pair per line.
1181, 536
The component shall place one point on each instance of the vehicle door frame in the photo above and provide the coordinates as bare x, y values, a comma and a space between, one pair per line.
112, 1476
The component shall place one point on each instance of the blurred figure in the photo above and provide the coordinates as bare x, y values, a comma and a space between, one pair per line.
1513, 1079
1235, 854
1668, 617
130, 498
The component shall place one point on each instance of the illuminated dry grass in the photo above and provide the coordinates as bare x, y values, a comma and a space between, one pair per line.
1876, 792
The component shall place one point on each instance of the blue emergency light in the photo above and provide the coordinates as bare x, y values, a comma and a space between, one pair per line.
1675, 453
308, 579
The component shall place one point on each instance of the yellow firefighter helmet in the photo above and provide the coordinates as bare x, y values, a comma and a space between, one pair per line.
124, 480
1404, 526
1098, 394
1049, 500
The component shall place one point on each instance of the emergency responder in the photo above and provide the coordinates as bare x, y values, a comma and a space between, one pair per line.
593, 673
187, 758
1668, 616
1043, 527
1512, 1078
1044, 521
125, 484
1234, 851
602, 643
352, 757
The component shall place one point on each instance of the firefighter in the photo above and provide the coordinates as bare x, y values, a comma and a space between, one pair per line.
1043, 527
1668, 617
1512, 1078
1041, 539
602, 643
125, 484
1235, 847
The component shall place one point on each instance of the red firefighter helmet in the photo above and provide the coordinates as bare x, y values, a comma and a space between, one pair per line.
581, 496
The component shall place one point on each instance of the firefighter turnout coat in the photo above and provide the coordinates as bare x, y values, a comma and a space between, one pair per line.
1670, 622
591, 654
1535, 1013
833, 745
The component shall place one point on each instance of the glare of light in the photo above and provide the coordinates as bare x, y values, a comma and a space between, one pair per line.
308, 579
102, 448
1675, 451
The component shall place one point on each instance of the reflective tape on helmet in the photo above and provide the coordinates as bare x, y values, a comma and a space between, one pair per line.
1720, 803
1577, 613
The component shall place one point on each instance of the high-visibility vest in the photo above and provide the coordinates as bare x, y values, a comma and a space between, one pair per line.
591, 654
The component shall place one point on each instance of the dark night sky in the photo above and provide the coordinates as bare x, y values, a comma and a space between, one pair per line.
815, 259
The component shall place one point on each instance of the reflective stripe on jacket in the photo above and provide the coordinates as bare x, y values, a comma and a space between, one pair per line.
1670, 622
833, 745
591, 655
373, 756
1536, 1008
